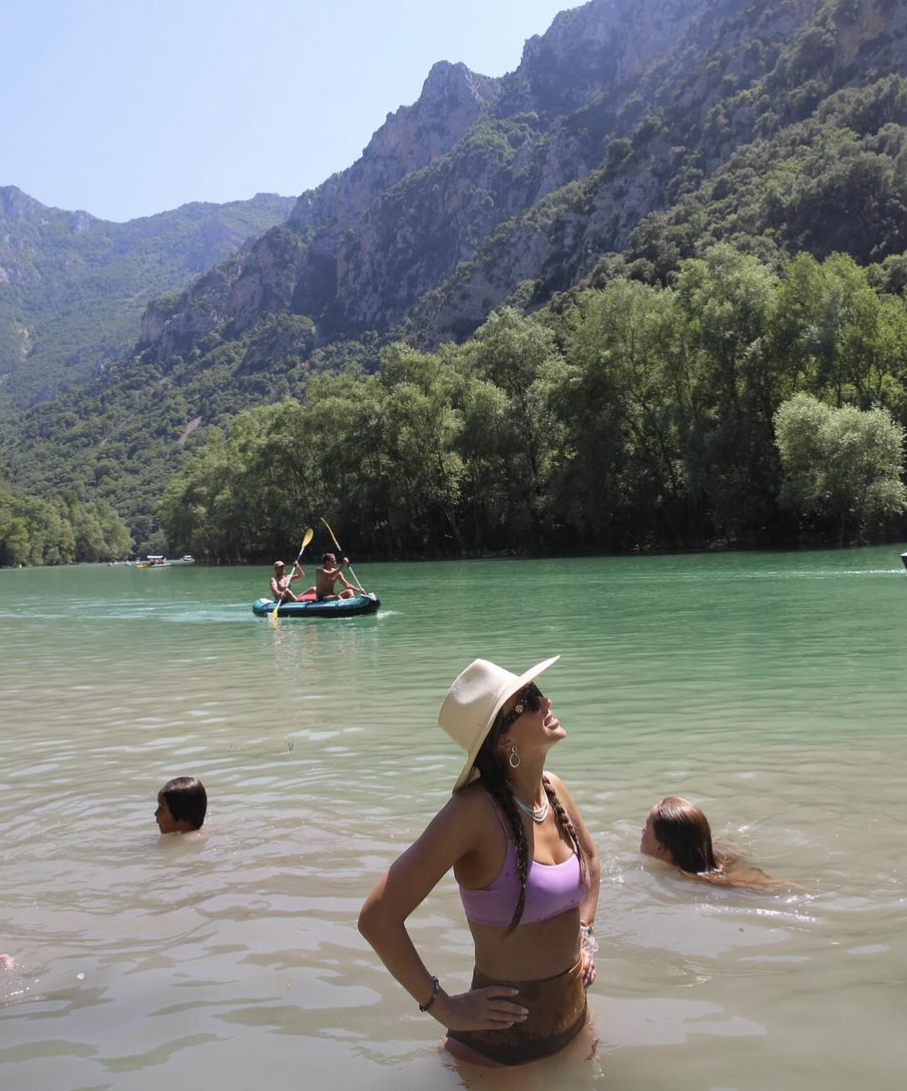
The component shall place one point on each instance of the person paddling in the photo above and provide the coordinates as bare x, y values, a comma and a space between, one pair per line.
280, 584
327, 576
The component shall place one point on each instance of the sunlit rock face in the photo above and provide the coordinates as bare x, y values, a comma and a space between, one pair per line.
452, 99
439, 178
485, 185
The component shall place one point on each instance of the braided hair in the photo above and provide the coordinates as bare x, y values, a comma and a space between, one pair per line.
491, 770
566, 823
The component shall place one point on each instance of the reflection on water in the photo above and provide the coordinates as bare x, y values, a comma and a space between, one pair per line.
768, 688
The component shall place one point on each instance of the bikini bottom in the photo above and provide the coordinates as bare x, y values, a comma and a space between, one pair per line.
557, 1013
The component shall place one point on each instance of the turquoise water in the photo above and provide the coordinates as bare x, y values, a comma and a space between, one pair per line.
769, 688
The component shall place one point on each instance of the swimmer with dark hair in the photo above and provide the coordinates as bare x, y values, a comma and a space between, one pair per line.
181, 805
678, 833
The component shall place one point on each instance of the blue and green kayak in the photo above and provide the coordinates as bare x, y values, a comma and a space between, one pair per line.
309, 606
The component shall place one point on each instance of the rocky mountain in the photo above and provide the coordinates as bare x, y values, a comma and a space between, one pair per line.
73, 287
440, 178
631, 136
494, 190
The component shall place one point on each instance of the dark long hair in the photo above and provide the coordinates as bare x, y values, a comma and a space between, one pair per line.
682, 828
494, 778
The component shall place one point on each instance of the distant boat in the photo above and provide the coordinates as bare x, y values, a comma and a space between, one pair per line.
904, 559
154, 561
187, 558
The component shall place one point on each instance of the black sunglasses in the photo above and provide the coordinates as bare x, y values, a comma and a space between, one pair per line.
529, 698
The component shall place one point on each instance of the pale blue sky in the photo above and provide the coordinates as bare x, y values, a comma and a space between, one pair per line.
125, 109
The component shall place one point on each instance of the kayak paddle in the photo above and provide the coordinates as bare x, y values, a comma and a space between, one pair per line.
339, 549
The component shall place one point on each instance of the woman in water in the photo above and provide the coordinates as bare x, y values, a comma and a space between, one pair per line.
678, 833
528, 874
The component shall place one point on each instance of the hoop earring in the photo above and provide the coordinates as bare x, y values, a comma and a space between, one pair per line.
514, 754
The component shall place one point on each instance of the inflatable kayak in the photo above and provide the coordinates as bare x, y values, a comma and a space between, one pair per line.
309, 606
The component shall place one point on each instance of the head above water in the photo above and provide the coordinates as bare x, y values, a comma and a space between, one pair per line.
182, 805
678, 832
473, 703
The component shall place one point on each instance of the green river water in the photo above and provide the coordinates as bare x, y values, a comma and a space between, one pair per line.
769, 688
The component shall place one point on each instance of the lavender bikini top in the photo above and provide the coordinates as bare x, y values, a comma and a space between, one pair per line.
551, 889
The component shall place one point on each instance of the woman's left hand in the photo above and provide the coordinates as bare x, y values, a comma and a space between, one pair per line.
588, 968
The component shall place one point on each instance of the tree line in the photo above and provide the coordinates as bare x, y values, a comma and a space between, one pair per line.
62, 530
735, 405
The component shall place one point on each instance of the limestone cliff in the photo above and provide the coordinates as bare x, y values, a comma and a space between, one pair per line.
440, 177
489, 187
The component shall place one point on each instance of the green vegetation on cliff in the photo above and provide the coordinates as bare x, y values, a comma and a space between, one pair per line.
34, 531
563, 310
73, 287
639, 417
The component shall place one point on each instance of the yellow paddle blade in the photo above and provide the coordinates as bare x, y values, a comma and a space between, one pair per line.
333, 539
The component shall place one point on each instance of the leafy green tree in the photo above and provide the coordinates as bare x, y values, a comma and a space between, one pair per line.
841, 340
843, 465
15, 542
724, 301
516, 356
624, 400
422, 430
346, 434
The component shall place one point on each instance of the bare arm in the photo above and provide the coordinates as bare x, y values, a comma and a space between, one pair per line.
338, 574
589, 906
452, 834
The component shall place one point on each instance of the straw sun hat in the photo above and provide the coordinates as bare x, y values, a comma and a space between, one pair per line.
475, 698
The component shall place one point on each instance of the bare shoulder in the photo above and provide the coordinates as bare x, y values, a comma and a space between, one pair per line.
459, 828
470, 806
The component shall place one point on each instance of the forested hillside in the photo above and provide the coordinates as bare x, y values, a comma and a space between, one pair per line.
73, 287
579, 307
63, 530
737, 406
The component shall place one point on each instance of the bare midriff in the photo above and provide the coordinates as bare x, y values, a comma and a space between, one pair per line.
530, 951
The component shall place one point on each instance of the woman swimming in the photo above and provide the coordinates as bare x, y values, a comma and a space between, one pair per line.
528, 874
677, 832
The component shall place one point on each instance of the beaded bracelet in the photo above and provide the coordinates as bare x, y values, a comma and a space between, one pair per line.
435, 989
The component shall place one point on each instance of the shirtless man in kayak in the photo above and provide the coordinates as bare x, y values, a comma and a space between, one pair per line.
328, 575
280, 584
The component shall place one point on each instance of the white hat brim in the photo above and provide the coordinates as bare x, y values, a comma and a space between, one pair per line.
507, 691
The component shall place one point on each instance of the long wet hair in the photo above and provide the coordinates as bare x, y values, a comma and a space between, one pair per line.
491, 769
682, 828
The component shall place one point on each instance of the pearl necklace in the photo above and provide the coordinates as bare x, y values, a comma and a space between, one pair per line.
537, 814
